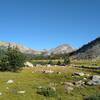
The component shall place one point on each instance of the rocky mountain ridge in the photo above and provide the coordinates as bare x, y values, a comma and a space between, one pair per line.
90, 50
65, 48
23, 49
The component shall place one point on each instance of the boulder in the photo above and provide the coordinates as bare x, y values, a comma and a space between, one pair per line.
48, 71
58, 72
48, 65
79, 83
7, 88
69, 84
21, 92
38, 65
79, 73
28, 64
53, 88
95, 80
68, 89
52, 84
0, 93
55, 65
85, 79
10, 81
87, 75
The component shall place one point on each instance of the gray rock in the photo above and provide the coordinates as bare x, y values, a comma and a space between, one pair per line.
28, 64
53, 84
38, 65
95, 80
53, 88
10, 81
85, 79
79, 83
79, 73
48, 71
48, 65
87, 75
58, 72
0, 94
68, 89
7, 88
21, 92
69, 84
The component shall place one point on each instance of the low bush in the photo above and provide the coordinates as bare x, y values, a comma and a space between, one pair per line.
66, 60
93, 97
59, 63
50, 62
46, 91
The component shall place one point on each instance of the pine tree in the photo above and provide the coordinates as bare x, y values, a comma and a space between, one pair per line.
16, 58
12, 60
66, 60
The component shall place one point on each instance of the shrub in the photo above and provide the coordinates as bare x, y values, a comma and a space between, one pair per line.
58, 63
66, 60
93, 97
46, 91
50, 62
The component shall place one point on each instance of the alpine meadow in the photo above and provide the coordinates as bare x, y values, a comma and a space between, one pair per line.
49, 50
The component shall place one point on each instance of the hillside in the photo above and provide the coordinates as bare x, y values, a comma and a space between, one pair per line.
23, 49
61, 49
89, 51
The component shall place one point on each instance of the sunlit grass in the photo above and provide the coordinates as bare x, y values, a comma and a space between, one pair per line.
30, 78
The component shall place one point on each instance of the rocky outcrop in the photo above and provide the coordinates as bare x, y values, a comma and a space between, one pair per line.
28, 64
95, 80
79, 73
89, 51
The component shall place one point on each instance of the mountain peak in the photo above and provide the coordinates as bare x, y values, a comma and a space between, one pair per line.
62, 49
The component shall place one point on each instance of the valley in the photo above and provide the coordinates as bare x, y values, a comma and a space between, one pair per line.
54, 75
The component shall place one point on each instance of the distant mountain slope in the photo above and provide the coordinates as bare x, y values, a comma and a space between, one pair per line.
23, 49
62, 49
88, 51
65, 48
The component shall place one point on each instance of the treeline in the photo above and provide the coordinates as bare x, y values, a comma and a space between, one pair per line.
61, 59
11, 59
49, 57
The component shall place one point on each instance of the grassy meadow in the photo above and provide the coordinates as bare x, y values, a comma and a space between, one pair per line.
29, 79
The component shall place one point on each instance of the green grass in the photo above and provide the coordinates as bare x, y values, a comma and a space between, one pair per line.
86, 62
28, 81
91, 63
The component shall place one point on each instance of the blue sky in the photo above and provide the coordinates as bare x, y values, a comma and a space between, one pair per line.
44, 24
